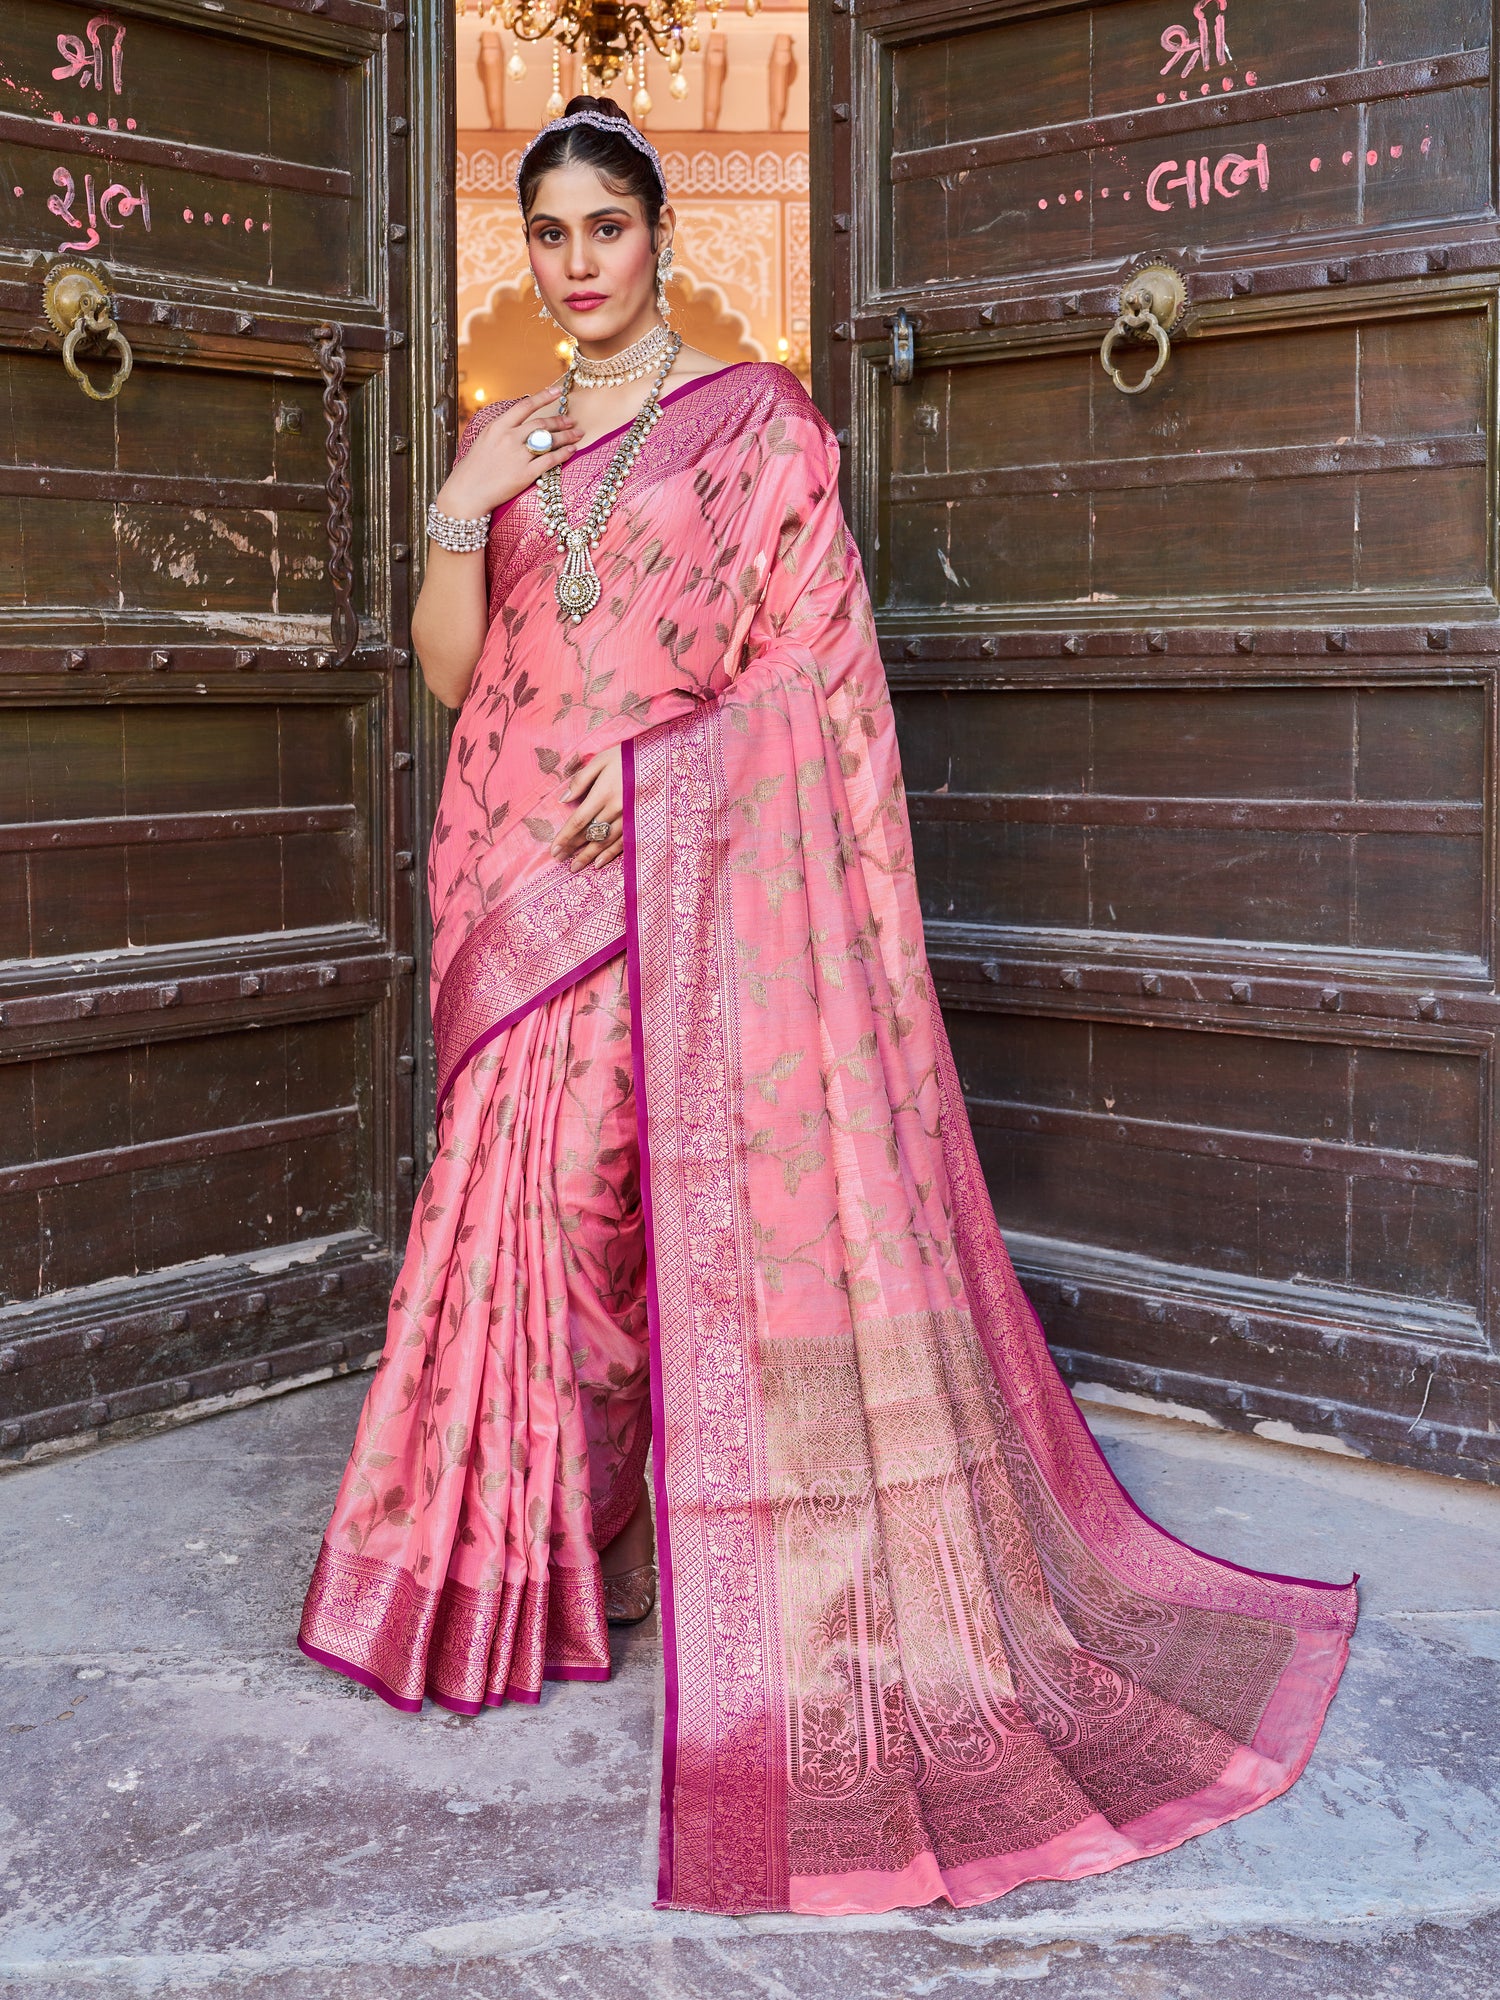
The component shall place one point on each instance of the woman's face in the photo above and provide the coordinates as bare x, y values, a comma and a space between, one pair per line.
593, 255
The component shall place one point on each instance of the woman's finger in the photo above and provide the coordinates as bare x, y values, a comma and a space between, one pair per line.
584, 776
616, 847
595, 805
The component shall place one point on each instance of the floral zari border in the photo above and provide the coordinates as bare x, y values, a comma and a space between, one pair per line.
543, 938
723, 1816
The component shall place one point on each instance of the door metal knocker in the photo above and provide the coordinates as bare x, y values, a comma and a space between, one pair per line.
903, 347
77, 302
1151, 307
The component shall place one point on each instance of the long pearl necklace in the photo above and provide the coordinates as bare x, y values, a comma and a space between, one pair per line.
578, 586
629, 365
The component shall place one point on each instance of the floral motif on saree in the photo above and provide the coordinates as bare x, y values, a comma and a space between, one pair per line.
917, 1641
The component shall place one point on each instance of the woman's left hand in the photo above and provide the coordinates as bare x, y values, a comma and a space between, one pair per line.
598, 787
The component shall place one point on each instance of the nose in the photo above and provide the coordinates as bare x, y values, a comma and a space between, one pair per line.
580, 263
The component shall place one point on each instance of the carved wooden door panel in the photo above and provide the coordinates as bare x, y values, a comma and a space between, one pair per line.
206, 883
1197, 685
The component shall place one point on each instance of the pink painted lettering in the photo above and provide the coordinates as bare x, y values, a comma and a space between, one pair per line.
1235, 169
83, 56
1233, 172
61, 205
1191, 49
113, 208
127, 203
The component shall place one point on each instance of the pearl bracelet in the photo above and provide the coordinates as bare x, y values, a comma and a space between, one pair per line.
459, 537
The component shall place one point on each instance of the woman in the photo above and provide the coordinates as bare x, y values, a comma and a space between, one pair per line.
705, 1177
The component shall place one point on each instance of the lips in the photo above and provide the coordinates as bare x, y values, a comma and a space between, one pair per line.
584, 301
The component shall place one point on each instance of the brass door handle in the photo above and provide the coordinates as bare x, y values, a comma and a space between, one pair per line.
1151, 306
77, 303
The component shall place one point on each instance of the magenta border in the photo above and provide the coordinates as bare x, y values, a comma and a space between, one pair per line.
407, 1706
1034, 1427
653, 1320
559, 985
361, 1674
1221, 1562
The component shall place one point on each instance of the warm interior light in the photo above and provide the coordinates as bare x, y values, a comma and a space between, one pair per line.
783, 348
565, 350
479, 393
610, 36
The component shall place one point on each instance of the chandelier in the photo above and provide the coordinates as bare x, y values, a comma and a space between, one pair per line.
611, 36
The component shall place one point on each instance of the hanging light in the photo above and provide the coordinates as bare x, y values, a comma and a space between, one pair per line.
611, 36
555, 101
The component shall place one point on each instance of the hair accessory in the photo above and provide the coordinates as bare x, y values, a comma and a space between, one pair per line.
602, 122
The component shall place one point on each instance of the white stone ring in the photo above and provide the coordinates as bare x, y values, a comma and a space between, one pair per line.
600, 830
539, 441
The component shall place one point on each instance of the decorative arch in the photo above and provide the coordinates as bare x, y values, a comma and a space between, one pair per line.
505, 349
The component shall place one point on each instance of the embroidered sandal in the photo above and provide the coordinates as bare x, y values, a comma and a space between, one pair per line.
630, 1597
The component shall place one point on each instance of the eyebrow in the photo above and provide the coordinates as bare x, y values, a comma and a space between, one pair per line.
594, 215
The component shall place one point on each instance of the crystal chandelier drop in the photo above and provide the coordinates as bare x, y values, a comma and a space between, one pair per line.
611, 36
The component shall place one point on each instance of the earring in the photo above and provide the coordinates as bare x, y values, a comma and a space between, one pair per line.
541, 303
663, 267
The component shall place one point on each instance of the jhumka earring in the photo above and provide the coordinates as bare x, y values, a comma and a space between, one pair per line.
541, 303
663, 267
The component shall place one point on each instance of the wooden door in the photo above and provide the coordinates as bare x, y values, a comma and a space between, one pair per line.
206, 759
1197, 687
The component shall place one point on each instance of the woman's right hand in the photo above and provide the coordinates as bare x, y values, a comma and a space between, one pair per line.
498, 466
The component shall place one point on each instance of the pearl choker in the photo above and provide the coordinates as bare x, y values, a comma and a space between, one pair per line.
629, 365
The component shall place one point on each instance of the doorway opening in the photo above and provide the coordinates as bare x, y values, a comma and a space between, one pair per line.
735, 149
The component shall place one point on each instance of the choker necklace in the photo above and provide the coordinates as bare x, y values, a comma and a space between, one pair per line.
578, 587
629, 365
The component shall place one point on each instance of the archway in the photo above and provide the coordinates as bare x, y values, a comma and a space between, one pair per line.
507, 349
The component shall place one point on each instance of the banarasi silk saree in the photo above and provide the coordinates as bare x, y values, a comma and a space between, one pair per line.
705, 1180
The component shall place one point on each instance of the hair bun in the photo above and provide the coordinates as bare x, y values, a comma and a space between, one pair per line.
606, 105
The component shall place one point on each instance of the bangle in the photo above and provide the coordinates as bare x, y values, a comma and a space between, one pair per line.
459, 537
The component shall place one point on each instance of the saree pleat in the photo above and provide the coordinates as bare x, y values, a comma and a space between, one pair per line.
917, 1641
506, 1431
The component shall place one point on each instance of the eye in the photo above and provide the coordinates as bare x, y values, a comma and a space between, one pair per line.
609, 231
550, 236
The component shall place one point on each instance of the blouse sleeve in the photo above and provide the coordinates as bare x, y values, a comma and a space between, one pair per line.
476, 424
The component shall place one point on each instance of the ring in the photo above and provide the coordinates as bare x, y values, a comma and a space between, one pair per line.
539, 441
599, 831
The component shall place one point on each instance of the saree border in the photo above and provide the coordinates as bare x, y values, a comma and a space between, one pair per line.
370, 1620
520, 956
1086, 1488
723, 1809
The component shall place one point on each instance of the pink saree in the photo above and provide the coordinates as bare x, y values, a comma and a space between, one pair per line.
705, 1175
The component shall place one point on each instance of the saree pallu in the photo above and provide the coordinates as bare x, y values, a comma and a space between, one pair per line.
918, 1643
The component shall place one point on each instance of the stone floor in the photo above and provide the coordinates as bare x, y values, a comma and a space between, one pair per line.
189, 1807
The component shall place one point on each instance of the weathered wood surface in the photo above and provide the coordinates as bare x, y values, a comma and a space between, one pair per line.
207, 834
1197, 688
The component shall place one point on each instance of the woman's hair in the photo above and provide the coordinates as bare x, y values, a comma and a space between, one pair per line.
619, 163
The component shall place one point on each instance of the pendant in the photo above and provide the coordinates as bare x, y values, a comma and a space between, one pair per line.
578, 585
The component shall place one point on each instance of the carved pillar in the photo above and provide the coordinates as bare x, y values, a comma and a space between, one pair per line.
781, 71
715, 69
491, 67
